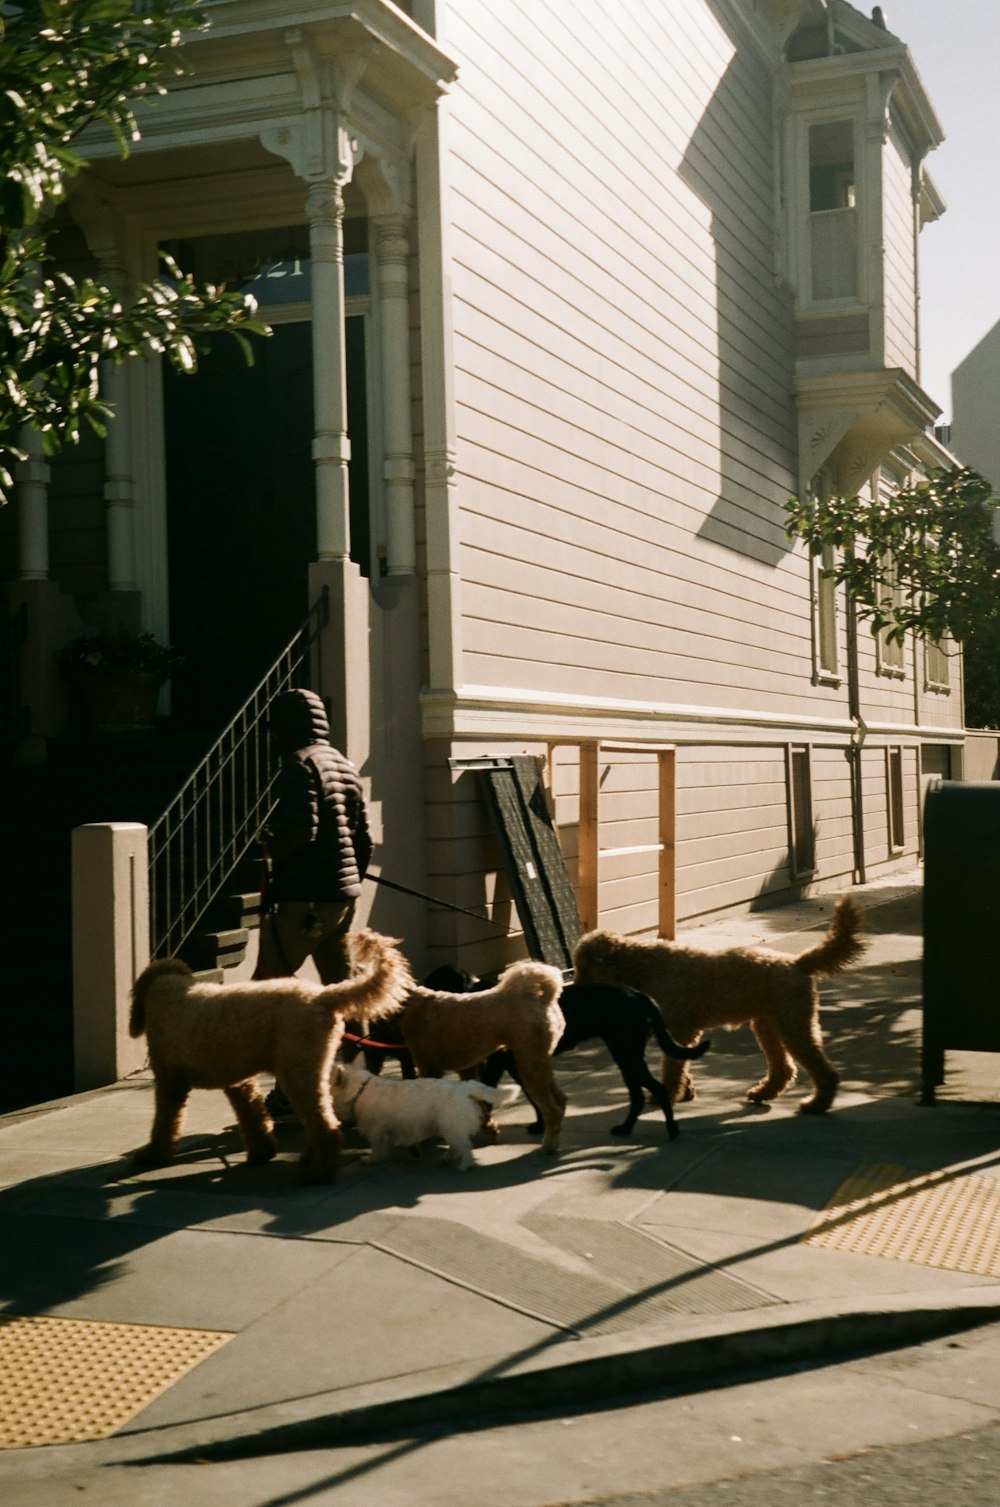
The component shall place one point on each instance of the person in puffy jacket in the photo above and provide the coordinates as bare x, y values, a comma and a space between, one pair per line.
317, 845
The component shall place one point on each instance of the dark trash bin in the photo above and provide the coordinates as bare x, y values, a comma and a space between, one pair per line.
961, 924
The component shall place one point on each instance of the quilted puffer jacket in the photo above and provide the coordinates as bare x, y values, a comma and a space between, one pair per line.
318, 839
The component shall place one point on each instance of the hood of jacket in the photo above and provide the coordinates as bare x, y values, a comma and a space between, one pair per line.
296, 719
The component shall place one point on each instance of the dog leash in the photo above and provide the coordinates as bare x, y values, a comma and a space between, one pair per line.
352, 1104
404, 889
366, 1041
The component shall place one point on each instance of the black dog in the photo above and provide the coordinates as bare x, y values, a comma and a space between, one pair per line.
386, 1042
623, 1019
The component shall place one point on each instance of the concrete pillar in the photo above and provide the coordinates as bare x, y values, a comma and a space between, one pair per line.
344, 659
392, 249
331, 447
110, 898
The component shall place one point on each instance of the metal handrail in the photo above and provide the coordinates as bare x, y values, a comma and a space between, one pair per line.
214, 819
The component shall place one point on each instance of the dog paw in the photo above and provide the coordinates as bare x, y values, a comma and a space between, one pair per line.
152, 1156
260, 1155
621, 1130
810, 1107
673, 1131
535, 1129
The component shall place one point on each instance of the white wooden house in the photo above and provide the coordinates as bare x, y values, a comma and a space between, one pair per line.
568, 299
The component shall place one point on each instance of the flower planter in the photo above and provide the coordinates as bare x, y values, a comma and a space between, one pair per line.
118, 700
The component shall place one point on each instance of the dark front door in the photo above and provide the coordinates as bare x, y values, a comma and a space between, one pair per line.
241, 516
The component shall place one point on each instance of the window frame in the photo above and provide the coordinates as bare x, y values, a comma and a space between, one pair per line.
810, 218
937, 685
895, 790
826, 619
800, 811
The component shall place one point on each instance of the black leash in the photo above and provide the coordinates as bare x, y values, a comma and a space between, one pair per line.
404, 889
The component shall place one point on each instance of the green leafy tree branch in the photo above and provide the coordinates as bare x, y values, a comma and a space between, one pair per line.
923, 560
66, 65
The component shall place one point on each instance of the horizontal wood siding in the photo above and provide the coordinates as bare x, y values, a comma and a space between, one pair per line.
732, 827
900, 284
831, 789
623, 359
465, 869
878, 850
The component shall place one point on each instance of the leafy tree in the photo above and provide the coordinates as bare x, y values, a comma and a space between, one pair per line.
923, 560
66, 65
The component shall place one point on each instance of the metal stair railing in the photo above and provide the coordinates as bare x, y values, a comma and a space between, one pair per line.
214, 819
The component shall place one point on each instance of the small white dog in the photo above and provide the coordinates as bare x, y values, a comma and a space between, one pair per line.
392, 1112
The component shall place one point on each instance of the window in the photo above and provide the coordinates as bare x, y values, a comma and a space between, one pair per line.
827, 649
894, 789
937, 671
801, 832
832, 211
890, 650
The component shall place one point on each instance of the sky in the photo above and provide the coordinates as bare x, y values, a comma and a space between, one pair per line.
955, 45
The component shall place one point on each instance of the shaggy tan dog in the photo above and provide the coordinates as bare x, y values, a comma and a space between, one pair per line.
698, 991
455, 1032
222, 1035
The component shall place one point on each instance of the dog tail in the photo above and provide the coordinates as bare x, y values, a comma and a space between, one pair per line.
379, 987
498, 1097
667, 1042
840, 947
142, 986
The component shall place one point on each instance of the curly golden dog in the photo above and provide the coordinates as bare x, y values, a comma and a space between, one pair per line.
455, 1032
774, 992
203, 1035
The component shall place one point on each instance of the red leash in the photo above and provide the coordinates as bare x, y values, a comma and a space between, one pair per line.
382, 1046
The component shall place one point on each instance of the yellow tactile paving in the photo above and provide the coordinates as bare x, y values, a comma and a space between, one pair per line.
945, 1219
67, 1380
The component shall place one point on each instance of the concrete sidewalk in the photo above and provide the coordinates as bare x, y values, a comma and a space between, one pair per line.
213, 1309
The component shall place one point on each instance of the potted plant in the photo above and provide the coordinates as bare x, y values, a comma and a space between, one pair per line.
118, 676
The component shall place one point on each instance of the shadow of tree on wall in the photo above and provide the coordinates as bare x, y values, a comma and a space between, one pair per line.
754, 316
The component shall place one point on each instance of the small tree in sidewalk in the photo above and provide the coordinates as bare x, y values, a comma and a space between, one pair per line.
66, 65
923, 560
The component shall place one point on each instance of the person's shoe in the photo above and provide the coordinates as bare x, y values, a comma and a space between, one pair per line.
279, 1106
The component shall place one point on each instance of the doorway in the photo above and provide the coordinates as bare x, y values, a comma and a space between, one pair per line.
241, 516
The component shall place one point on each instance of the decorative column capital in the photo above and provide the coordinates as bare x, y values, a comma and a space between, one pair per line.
95, 211
392, 243
325, 205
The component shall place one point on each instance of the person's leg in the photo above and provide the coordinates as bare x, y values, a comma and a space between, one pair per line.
330, 950
284, 942
283, 947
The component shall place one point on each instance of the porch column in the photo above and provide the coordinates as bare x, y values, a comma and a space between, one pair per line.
119, 482
392, 251
32, 477
104, 235
331, 447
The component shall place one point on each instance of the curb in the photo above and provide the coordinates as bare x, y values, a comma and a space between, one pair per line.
598, 1370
